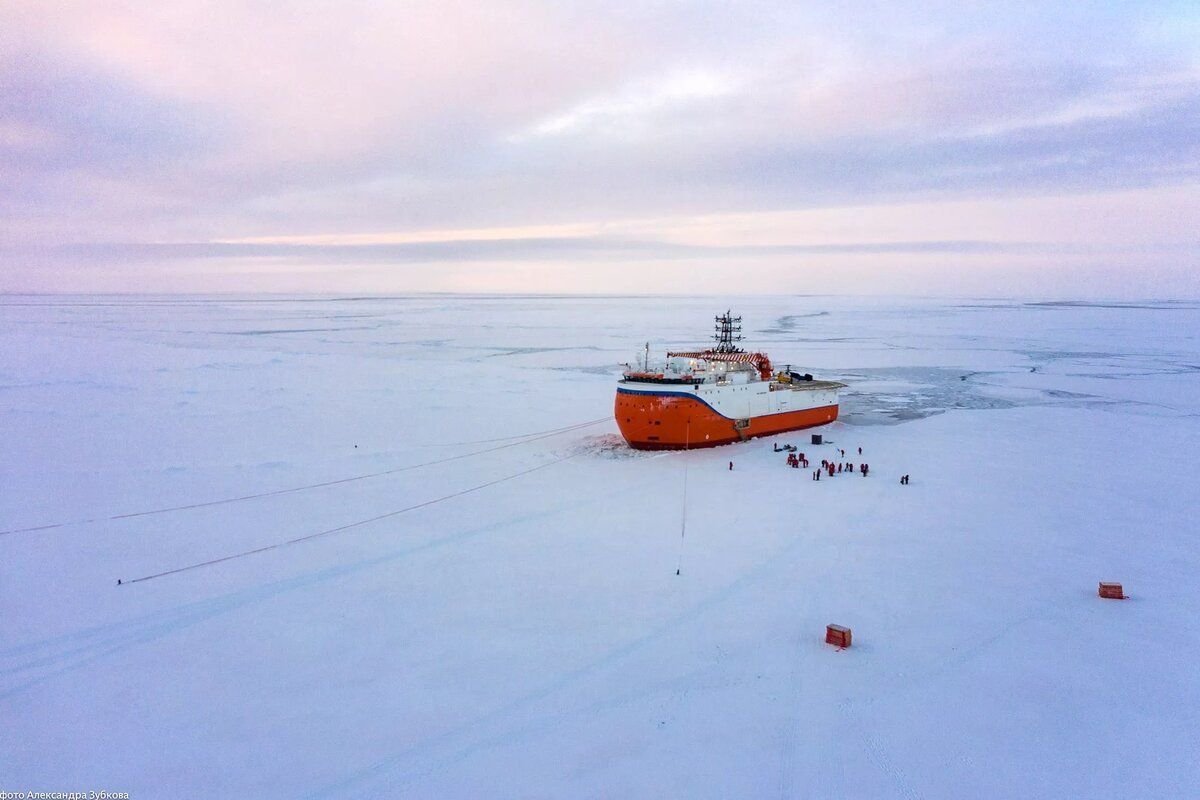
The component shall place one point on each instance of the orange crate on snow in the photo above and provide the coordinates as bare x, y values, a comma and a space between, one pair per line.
837, 635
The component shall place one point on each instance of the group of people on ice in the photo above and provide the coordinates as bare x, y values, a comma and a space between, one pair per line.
830, 468
836, 468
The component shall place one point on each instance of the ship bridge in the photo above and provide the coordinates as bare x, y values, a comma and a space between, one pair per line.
694, 368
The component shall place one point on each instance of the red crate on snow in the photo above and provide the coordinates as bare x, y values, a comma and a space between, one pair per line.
837, 635
1111, 591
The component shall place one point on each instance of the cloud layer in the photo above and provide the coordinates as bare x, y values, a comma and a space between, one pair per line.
187, 130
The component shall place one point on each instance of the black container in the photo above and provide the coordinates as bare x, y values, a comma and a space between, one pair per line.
816, 438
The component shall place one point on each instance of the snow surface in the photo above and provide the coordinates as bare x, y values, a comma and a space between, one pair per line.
531, 639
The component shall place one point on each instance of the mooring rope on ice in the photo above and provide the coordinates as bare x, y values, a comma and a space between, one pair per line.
534, 437
510, 438
346, 527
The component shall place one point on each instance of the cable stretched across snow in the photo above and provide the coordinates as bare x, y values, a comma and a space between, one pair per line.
532, 437
345, 527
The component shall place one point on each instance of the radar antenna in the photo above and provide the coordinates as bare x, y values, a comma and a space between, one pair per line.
728, 330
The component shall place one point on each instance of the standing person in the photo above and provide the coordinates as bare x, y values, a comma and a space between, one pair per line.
731, 466
860, 451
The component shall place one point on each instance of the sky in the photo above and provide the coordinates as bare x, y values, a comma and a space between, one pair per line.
954, 148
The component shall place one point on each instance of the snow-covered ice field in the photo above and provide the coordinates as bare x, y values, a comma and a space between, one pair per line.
531, 638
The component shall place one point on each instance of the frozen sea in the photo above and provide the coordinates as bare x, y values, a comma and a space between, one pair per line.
525, 634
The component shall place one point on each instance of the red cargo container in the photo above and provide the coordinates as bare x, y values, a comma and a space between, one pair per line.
837, 635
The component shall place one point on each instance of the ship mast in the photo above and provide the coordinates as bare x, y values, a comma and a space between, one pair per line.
728, 330
728, 333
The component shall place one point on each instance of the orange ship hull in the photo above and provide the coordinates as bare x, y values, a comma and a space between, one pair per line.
674, 421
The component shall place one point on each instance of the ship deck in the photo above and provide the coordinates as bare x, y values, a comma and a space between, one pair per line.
801, 386
776, 386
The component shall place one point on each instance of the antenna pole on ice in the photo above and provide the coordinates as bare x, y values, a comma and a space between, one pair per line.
687, 440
